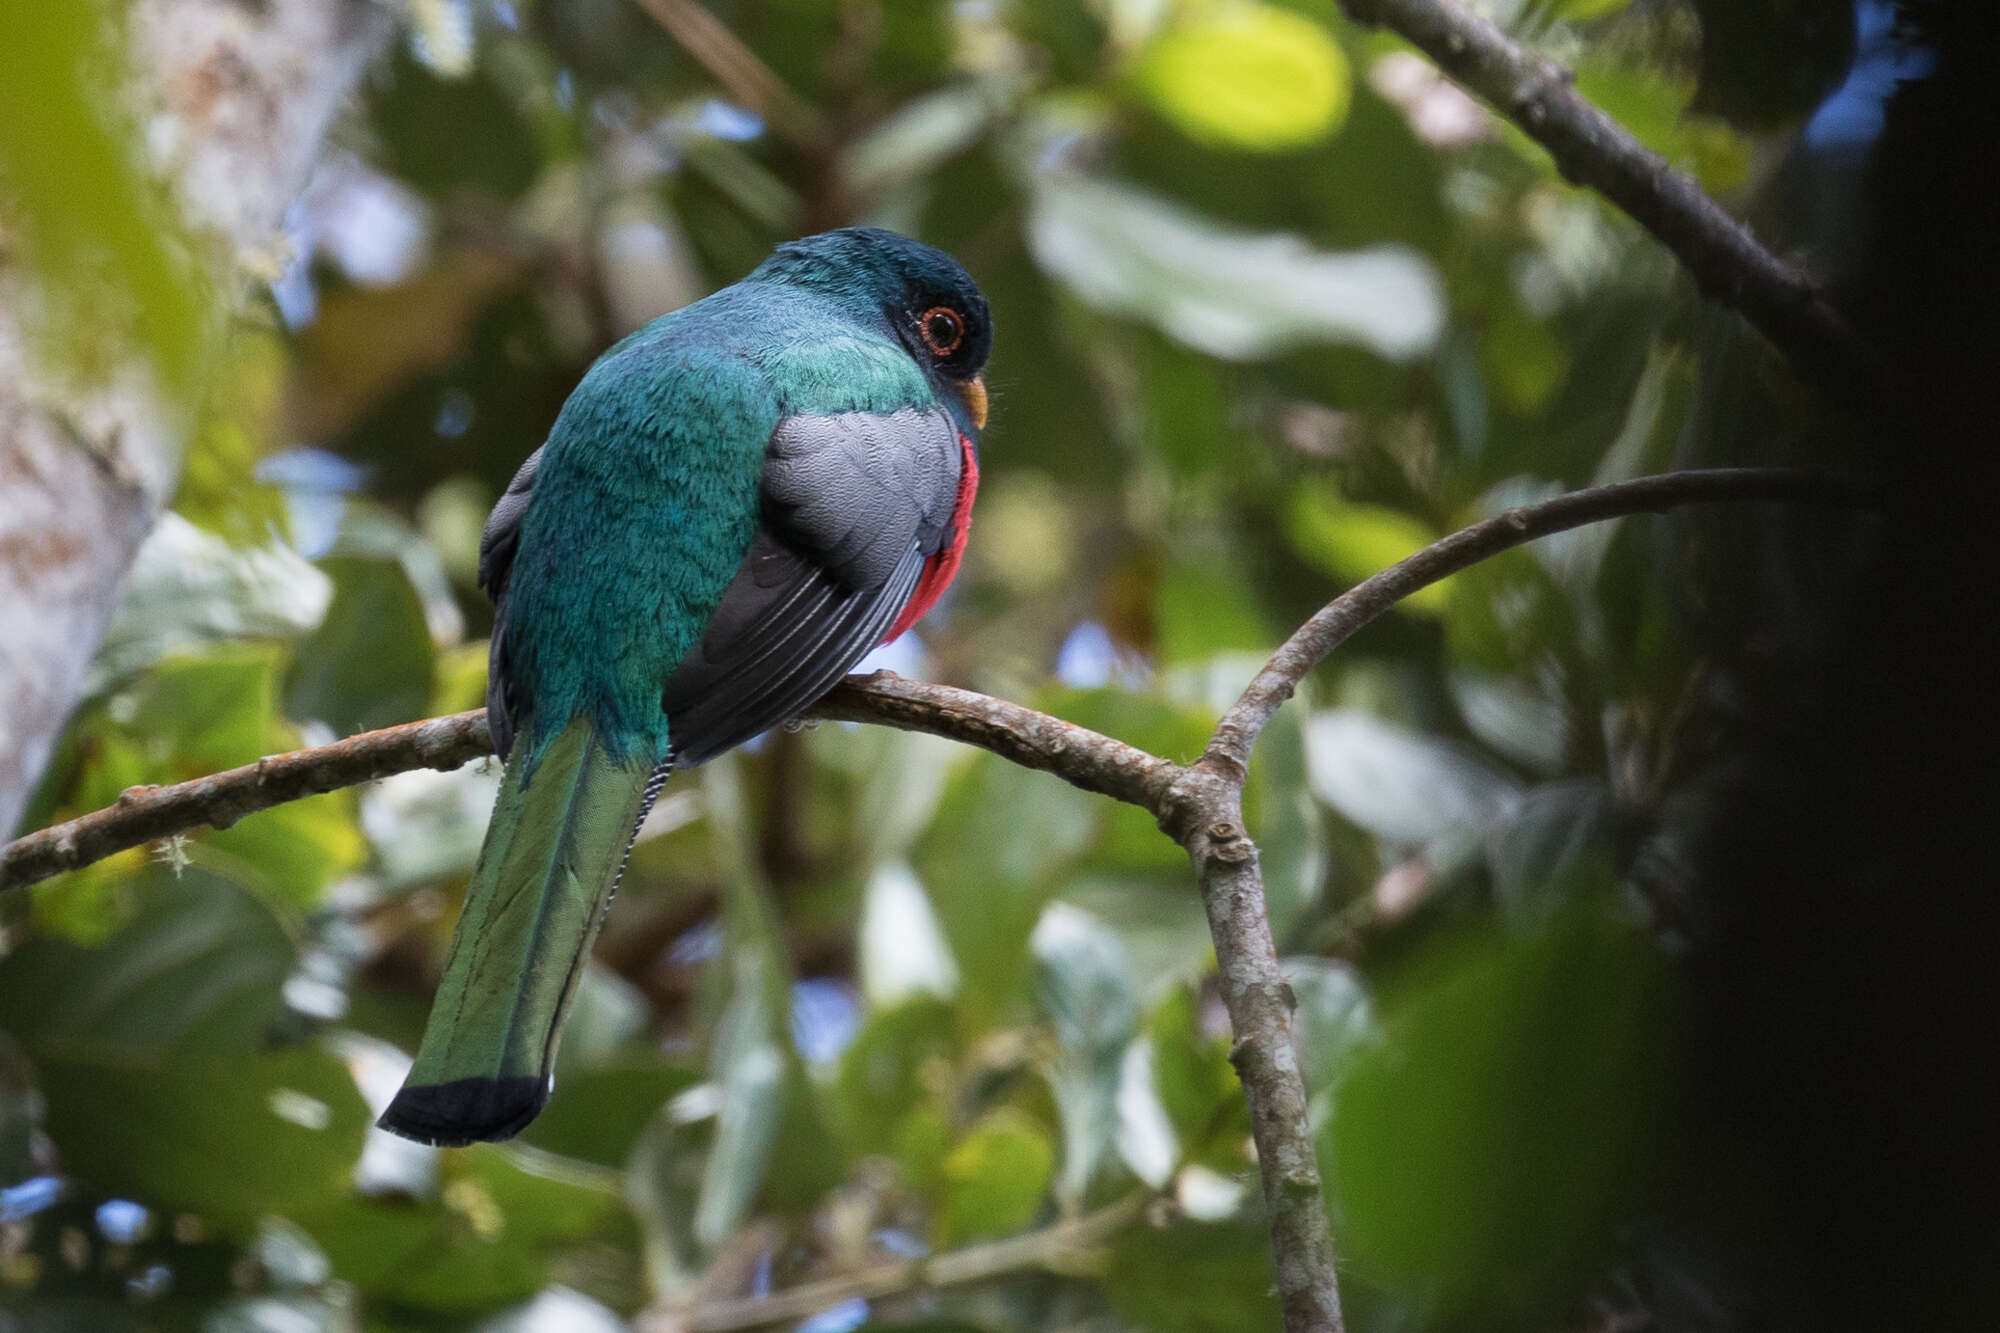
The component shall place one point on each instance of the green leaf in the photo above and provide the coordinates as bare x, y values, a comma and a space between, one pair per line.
748, 1065
1509, 610
1653, 107
988, 882
1194, 1277
1333, 1021
1234, 294
502, 1218
598, 1114
1247, 76
1192, 1073
902, 949
230, 1137
1085, 983
192, 716
189, 588
771, 1134
881, 1076
1352, 541
1201, 609
370, 662
424, 120
1557, 836
1400, 785
425, 825
917, 138
197, 966
1515, 717
1130, 839
996, 1178
100, 236
1485, 1150
1288, 826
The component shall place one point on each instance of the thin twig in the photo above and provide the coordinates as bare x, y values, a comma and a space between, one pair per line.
1728, 263
739, 69
144, 814
1237, 733
1065, 1247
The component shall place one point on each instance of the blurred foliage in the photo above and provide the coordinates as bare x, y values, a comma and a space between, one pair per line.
1276, 306
116, 276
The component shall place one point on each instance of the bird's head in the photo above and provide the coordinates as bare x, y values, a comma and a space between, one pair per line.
922, 295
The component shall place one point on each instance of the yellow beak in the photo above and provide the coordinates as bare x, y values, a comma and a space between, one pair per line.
973, 391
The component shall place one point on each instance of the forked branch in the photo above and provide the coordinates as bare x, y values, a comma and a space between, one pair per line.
1727, 263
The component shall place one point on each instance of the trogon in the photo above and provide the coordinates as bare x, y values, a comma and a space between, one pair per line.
735, 505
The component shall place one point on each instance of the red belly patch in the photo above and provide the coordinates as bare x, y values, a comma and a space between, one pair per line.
941, 568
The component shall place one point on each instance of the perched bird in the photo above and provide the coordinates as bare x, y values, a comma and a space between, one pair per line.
736, 504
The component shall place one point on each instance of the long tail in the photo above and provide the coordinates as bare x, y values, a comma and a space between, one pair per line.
552, 859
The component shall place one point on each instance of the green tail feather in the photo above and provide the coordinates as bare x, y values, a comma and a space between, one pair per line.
553, 857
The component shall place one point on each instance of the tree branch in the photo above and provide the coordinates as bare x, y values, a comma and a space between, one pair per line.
1728, 263
1207, 817
1333, 624
1065, 1247
1023, 736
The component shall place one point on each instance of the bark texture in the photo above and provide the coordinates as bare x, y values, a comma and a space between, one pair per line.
232, 101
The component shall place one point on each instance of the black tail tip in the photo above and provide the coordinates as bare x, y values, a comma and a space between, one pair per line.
450, 1115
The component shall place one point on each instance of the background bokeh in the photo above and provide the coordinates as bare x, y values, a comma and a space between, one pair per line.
1275, 306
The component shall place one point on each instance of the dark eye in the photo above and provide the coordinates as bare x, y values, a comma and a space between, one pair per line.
943, 330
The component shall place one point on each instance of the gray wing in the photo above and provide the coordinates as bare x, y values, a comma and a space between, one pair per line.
854, 506
498, 542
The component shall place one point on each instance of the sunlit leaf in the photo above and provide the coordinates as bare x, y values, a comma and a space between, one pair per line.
1352, 541
750, 1075
1191, 1070
425, 824
1146, 1141
1249, 76
902, 948
917, 138
1085, 982
996, 1178
1238, 295
189, 588
1399, 785
1334, 1019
